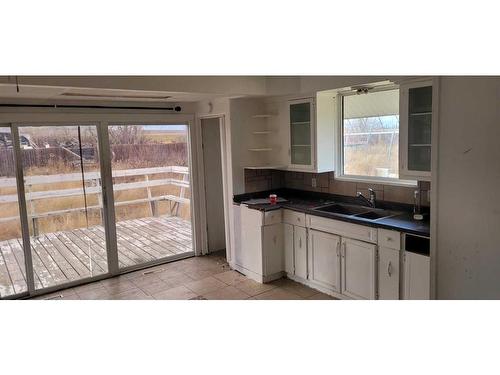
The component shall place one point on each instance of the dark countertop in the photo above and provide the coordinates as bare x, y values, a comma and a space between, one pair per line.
304, 201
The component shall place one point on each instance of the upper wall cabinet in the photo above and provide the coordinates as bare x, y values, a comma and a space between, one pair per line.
417, 114
311, 124
301, 133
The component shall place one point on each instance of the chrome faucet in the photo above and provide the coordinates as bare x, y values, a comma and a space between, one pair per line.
373, 198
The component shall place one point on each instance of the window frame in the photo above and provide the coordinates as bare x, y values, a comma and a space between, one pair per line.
339, 146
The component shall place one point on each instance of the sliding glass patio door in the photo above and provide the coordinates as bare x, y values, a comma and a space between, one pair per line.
151, 189
64, 205
81, 201
13, 280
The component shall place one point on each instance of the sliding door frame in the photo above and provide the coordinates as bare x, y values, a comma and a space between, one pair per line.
102, 119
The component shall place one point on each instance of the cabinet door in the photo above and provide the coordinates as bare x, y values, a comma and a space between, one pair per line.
358, 269
415, 129
251, 239
388, 273
288, 245
300, 251
301, 133
324, 259
272, 240
416, 276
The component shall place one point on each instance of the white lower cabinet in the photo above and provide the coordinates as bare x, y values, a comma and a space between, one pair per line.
260, 253
272, 243
416, 276
359, 265
288, 248
300, 251
332, 256
324, 260
388, 273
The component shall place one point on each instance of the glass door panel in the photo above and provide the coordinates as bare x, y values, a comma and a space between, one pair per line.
419, 128
62, 183
12, 264
151, 189
300, 133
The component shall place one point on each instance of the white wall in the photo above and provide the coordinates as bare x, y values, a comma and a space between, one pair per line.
468, 199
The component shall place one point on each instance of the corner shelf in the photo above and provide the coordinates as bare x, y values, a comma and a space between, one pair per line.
265, 115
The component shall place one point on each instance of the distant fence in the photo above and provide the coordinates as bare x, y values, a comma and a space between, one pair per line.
149, 154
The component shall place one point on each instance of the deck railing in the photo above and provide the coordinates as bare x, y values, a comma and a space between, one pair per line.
93, 187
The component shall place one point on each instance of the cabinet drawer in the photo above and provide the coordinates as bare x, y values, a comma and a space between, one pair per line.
272, 217
294, 218
389, 238
354, 231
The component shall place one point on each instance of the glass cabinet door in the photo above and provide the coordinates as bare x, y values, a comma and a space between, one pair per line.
419, 128
300, 134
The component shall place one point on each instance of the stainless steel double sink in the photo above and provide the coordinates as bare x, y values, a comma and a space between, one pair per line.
362, 212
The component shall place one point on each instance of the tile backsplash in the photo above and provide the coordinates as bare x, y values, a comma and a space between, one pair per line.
268, 179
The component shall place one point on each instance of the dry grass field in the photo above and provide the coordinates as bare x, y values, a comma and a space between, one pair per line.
166, 136
365, 160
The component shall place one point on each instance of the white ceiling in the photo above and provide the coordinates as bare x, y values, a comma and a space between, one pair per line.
10, 91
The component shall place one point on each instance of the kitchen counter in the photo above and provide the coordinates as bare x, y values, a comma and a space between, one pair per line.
304, 201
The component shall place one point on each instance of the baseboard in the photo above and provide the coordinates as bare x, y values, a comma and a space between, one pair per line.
317, 287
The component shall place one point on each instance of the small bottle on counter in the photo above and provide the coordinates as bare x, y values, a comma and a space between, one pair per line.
417, 215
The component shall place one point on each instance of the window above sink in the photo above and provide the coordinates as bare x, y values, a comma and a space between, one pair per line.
368, 136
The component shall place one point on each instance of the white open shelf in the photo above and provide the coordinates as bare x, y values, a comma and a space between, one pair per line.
260, 149
264, 115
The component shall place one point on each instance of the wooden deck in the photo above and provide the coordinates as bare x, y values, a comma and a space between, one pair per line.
61, 257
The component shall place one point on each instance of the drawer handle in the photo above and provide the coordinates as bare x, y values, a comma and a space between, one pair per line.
389, 269
389, 239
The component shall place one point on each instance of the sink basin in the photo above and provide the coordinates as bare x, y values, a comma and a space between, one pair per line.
342, 209
356, 211
371, 215
376, 214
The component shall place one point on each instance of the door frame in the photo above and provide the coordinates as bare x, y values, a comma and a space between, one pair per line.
13, 118
227, 186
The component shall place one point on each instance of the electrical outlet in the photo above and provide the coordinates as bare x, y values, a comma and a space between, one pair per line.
313, 182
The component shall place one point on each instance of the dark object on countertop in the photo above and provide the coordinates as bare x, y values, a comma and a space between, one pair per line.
263, 201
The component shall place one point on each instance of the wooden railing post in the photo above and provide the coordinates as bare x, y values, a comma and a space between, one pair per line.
152, 204
99, 198
34, 219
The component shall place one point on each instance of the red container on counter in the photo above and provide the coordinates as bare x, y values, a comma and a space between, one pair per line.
273, 199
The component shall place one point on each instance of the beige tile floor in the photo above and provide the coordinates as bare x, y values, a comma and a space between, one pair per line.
207, 277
